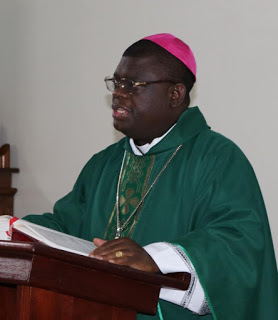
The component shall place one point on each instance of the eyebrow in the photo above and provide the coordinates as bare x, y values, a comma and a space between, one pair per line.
117, 77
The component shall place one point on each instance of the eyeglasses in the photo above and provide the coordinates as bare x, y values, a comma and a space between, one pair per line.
127, 86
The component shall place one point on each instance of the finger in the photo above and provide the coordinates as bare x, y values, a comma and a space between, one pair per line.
111, 246
102, 246
113, 254
99, 242
129, 261
124, 261
147, 266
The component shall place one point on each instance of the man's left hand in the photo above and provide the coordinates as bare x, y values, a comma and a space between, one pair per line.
124, 251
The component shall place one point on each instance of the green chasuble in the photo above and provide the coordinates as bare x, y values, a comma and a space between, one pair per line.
207, 202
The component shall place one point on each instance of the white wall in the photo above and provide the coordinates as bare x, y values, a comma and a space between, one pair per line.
54, 106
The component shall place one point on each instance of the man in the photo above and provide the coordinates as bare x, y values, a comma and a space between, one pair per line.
174, 195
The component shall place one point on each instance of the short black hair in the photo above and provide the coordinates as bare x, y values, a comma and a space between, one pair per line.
171, 65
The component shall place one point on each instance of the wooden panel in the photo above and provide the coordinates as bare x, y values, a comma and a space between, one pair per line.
50, 305
23, 303
6, 192
96, 311
89, 284
7, 302
6, 204
5, 178
44, 305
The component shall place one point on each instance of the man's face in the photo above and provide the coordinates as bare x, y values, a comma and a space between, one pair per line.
146, 113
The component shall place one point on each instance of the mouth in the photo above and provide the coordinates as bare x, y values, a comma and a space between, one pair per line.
120, 112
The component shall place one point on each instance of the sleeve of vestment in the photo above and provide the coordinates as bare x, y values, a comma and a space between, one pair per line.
171, 259
230, 245
69, 212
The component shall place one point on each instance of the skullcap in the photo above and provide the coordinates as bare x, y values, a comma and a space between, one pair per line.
177, 48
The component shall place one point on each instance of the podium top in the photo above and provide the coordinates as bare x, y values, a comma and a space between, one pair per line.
34, 264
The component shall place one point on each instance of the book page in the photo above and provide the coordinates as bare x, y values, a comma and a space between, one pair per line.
4, 227
55, 238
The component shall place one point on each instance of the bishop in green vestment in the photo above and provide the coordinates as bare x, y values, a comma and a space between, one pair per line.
194, 190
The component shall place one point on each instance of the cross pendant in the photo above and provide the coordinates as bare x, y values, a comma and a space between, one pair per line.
118, 233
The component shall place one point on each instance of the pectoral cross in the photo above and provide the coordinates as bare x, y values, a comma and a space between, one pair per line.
118, 233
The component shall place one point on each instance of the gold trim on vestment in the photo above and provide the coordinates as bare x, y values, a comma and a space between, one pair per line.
144, 190
136, 216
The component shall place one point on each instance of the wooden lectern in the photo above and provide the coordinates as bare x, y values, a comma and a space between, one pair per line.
39, 282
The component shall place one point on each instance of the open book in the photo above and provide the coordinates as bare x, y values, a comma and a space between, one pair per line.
21, 230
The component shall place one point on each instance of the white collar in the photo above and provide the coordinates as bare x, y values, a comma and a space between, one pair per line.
141, 150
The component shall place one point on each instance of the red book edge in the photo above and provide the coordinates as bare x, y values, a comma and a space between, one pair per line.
18, 235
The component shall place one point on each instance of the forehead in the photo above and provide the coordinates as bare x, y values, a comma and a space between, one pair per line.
139, 68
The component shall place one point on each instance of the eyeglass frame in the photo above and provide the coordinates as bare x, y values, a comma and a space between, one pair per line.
136, 84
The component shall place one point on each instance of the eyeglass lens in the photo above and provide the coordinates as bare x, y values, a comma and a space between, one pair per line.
124, 85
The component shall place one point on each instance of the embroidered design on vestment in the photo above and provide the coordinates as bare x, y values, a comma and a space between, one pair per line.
134, 183
205, 308
128, 200
188, 294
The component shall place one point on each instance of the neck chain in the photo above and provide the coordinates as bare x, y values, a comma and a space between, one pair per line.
120, 228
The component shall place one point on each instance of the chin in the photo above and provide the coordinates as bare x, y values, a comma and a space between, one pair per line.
121, 128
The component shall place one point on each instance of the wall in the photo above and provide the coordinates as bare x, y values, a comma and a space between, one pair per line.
54, 106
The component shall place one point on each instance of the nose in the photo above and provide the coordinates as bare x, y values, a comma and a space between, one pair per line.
119, 93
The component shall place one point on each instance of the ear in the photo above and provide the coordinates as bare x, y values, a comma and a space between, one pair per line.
177, 94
